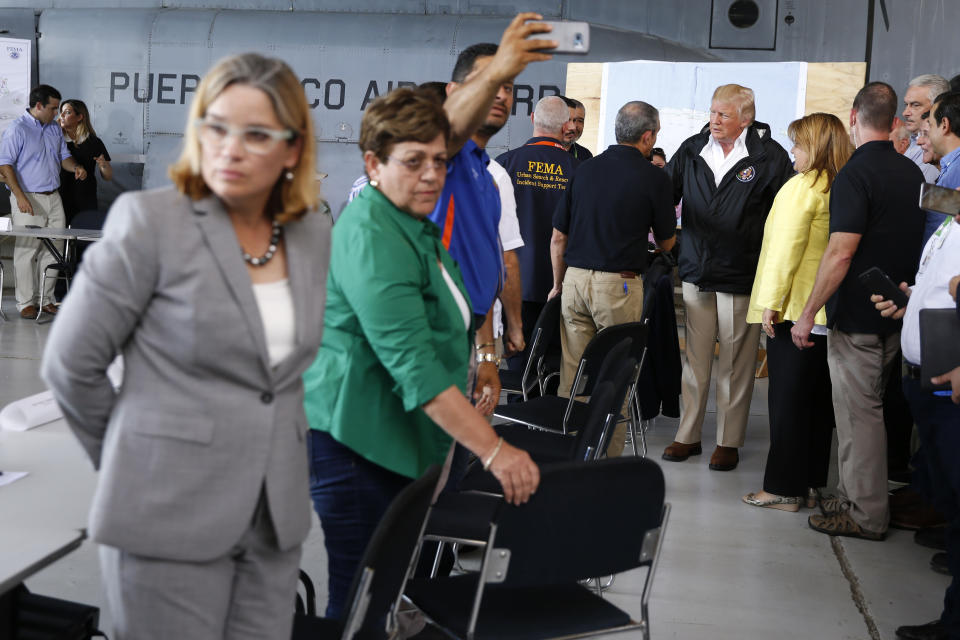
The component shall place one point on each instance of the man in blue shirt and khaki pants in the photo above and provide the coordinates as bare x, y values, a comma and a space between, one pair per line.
32, 152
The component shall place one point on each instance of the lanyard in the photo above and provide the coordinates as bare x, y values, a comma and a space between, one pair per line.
545, 143
939, 237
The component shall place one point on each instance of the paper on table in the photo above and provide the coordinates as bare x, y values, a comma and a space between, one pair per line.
5, 224
30, 412
11, 476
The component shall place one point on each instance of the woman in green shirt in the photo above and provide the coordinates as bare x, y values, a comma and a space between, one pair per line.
396, 345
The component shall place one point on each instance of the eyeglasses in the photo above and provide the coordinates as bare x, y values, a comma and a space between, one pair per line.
256, 140
418, 163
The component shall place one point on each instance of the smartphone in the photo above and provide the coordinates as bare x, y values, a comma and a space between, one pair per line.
571, 37
939, 199
877, 282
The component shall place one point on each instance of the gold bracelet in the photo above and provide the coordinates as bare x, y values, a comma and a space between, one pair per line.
484, 345
496, 450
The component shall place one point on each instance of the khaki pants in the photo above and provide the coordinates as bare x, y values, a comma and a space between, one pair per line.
590, 302
718, 317
859, 366
29, 253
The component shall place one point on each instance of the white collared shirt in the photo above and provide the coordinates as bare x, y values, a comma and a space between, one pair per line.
939, 262
712, 152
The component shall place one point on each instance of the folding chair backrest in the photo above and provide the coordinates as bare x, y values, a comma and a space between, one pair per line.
586, 519
545, 334
614, 391
386, 562
592, 359
88, 219
588, 438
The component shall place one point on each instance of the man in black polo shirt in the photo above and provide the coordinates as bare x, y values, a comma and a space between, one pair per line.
599, 244
875, 221
540, 171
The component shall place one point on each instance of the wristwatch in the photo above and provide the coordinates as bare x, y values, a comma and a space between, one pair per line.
488, 357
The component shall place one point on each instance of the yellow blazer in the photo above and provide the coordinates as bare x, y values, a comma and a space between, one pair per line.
794, 239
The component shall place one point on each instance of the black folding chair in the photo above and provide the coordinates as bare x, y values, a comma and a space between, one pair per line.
586, 519
588, 443
378, 585
539, 367
557, 414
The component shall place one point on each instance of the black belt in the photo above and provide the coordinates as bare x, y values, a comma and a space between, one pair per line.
913, 371
44, 193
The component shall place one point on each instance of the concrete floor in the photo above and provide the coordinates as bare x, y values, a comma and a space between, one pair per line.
728, 571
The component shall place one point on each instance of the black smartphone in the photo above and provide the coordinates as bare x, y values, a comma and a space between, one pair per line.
939, 199
571, 37
877, 282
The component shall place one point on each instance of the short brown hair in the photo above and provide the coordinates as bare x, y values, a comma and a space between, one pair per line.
876, 106
291, 199
825, 140
741, 96
403, 115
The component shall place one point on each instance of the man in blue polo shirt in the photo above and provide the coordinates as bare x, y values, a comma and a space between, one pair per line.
31, 154
468, 211
540, 171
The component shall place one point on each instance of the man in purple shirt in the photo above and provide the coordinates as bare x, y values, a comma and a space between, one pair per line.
32, 152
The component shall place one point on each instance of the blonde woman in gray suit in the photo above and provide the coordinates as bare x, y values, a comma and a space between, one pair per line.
213, 291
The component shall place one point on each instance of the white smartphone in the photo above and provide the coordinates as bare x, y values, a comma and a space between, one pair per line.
571, 37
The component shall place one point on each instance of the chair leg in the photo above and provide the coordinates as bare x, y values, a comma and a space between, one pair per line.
2, 314
436, 559
43, 280
632, 422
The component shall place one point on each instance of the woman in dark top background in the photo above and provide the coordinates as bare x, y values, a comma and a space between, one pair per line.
89, 151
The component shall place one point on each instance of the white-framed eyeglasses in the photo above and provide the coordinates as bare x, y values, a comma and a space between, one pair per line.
256, 140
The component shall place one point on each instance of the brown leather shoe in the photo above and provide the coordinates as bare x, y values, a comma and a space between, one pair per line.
724, 458
29, 312
50, 308
679, 451
905, 497
916, 517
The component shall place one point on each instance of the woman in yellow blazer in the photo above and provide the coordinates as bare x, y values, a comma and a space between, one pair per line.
794, 239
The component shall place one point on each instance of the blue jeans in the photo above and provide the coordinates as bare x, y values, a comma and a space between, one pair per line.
350, 495
938, 424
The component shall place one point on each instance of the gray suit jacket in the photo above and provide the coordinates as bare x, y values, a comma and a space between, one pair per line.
201, 422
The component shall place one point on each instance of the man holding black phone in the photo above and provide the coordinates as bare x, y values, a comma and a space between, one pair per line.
937, 413
875, 221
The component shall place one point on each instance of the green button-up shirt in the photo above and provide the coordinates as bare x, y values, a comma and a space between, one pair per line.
393, 337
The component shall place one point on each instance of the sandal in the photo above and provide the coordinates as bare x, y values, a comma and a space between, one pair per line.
784, 503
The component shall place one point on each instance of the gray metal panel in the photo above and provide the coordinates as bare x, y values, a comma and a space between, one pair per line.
366, 6
821, 31
17, 23
921, 40
760, 35
143, 65
21, 24
242, 5
112, 41
549, 9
